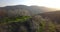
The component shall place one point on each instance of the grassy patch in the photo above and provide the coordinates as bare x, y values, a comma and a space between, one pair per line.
14, 19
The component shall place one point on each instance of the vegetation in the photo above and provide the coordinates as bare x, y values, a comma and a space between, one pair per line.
47, 26
44, 26
14, 19
23, 22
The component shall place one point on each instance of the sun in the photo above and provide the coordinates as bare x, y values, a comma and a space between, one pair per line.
50, 3
46, 3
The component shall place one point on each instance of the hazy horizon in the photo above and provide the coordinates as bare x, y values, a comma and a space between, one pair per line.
45, 3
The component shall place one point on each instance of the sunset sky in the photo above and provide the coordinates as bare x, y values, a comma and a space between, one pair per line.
46, 3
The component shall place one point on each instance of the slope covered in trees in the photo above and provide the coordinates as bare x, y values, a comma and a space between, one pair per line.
23, 18
27, 24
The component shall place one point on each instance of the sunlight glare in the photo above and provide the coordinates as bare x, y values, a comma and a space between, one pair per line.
46, 3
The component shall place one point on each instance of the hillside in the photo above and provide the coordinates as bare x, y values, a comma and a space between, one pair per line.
27, 24
23, 18
54, 16
22, 10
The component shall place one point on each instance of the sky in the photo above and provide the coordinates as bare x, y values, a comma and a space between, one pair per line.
46, 3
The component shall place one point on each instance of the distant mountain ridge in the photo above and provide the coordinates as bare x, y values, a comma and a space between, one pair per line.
23, 10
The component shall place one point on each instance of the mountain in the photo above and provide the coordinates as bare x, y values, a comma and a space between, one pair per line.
40, 9
54, 16
23, 10
23, 18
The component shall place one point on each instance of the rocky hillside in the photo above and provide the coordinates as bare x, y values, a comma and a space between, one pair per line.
54, 16
23, 18
27, 24
22, 10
